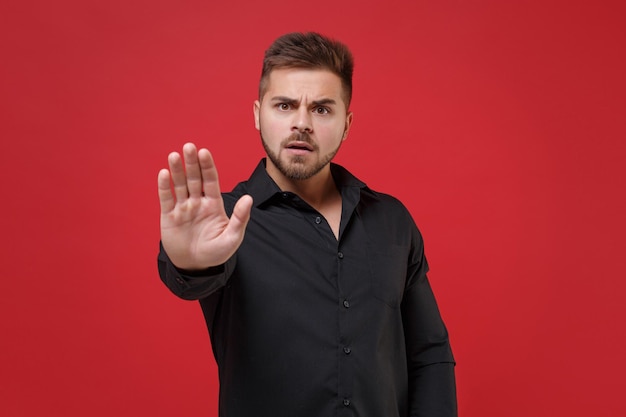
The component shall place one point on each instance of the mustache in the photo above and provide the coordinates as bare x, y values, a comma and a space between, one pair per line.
299, 137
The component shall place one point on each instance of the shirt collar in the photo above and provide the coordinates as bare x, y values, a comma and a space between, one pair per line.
262, 187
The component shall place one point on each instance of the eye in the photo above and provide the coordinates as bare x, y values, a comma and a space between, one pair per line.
322, 110
283, 106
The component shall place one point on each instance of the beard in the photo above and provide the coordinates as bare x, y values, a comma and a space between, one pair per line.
295, 167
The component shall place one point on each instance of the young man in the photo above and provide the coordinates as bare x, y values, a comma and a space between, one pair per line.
313, 286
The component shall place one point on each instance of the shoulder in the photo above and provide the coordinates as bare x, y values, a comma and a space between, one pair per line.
385, 215
382, 204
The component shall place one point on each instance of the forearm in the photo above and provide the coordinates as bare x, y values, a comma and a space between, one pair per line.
432, 391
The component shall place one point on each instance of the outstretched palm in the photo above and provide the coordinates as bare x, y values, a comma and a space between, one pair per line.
195, 231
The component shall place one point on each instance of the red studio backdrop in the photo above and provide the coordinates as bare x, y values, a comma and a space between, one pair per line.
500, 124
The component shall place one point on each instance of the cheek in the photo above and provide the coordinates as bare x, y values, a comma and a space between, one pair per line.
332, 132
271, 123
272, 130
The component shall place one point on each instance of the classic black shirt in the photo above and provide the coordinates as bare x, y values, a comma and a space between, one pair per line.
305, 325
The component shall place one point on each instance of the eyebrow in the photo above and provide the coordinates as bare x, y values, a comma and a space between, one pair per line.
324, 102
292, 101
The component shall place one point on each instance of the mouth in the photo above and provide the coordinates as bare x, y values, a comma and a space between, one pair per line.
299, 146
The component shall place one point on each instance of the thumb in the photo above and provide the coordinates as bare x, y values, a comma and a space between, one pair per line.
241, 215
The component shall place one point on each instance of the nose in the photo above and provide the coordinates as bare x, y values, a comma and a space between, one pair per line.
302, 120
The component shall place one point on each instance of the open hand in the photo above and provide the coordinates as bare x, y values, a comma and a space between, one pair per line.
195, 231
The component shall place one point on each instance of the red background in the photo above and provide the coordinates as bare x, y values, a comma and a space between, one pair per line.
501, 125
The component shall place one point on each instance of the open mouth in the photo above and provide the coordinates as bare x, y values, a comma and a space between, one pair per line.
300, 146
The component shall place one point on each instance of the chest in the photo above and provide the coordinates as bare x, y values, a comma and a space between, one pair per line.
332, 217
294, 257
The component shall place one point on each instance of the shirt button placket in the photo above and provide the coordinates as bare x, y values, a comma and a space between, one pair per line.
346, 350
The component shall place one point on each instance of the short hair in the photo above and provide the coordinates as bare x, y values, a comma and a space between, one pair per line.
312, 51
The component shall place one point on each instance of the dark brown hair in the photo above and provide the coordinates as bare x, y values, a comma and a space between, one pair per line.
309, 50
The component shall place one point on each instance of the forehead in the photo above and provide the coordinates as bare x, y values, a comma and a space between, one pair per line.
298, 82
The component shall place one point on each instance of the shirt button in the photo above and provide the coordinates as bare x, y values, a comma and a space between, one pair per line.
346, 402
346, 303
285, 195
318, 220
340, 255
347, 350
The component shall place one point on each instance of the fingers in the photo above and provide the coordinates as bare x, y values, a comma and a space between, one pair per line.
166, 199
192, 168
177, 173
208, 171
192, 177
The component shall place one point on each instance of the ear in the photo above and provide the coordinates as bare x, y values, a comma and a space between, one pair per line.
257, 113
346, 129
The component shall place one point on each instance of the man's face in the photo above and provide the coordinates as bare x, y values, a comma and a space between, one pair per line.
302, 119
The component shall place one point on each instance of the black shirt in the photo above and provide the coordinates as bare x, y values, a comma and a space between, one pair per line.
305, 325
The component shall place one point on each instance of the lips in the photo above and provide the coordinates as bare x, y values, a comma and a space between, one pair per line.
298, 145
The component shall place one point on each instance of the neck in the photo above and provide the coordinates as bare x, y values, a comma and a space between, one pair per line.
318, 191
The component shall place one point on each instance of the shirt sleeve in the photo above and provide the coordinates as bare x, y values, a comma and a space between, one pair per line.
432, 387
193, 285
